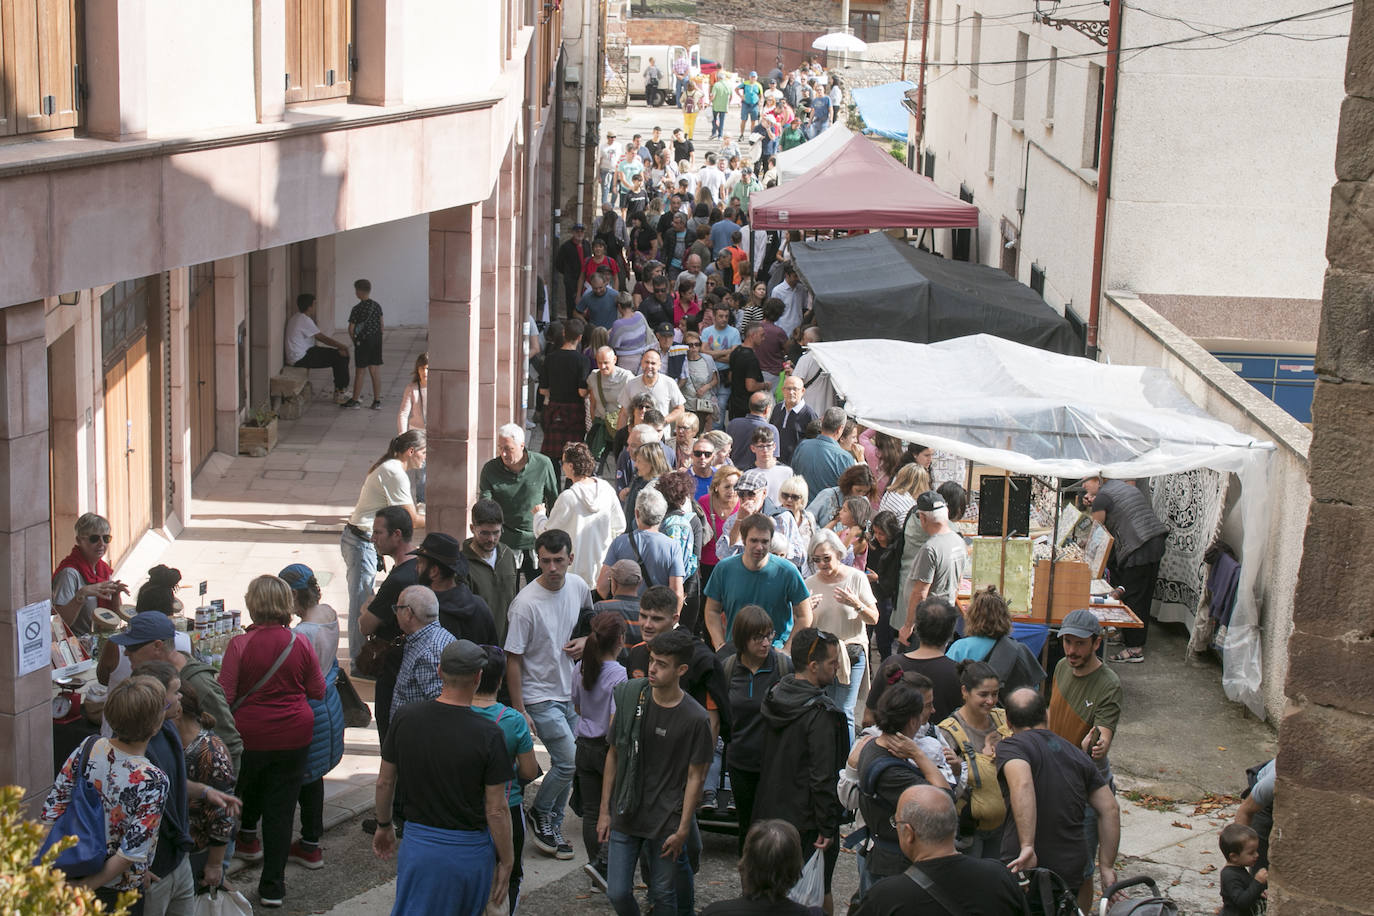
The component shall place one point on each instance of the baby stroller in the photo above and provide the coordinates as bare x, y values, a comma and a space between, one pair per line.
1153, 905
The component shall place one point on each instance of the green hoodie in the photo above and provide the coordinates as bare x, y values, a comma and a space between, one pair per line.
496, 586
204, 680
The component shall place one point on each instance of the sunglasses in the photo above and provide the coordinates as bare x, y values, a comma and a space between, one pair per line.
822, 639
789, 496
822, 559
699, 453
98, 538
693, 343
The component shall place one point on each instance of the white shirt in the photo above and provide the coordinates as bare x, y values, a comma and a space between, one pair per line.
389, 485
612, 385
712, 179
665, 392
300, 336
539, 624
610, 155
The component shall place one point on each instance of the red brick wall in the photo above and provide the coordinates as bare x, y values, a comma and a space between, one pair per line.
663, 32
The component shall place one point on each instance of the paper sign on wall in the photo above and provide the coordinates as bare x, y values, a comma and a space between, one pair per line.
34, 636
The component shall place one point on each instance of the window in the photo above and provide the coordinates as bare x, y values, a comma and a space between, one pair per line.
124, 311
992, 147
864, 24
929, 168
1018, 98
975, 48
962, 239
1053, 76
1092, 117
319, 49
39, 88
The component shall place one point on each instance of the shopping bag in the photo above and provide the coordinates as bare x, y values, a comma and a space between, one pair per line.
220, 901
498, 909
810, 887
356, 713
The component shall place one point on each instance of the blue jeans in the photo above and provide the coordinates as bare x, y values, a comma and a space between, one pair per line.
360, 558
845, 695
554, 721
608, 186
670, 881
717, 124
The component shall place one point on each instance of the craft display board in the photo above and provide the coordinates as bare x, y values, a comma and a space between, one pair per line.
1098, 550
1013, 583
1072, 590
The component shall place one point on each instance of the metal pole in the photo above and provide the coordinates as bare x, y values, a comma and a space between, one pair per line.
1054, 551
921, 79
906, 34
1104, 169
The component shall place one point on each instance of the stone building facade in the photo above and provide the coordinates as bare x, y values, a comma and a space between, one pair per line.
156, 237
871, 20
1324, 800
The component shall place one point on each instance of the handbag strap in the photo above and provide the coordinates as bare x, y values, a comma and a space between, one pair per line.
643, 570
924, 883
281, 660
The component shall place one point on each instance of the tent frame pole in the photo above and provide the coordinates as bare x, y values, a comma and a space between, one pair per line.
1054, 550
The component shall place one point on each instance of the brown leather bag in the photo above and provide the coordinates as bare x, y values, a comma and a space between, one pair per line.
372, 656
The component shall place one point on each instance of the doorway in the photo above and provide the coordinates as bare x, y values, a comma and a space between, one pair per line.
128, 410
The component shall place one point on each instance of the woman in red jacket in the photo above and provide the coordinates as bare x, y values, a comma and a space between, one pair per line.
268, 676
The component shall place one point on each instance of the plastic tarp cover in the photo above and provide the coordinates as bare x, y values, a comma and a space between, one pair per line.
882, 109
875, 286
797, 161
1031, 412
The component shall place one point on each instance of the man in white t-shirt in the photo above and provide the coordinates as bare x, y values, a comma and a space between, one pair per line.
712, 178
607, 159
302, 335
665, 392
540, 651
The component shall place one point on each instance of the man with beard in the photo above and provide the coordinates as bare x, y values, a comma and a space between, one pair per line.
440, 564
493, 569
391, 534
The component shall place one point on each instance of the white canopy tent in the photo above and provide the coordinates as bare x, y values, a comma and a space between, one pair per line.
1033, 412
797, 161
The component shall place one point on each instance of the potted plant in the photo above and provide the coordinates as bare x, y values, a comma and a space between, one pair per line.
258, 434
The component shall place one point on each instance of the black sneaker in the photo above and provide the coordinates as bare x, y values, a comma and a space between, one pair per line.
562, 848
377, 404
597, 872
351, 404
542, 835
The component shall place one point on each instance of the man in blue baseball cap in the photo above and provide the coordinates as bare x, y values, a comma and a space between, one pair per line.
750, 94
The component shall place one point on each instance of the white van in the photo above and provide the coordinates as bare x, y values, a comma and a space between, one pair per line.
663, 56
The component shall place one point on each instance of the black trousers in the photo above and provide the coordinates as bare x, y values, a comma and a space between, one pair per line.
1138, 583
327, 357
312, 810
744, 786
270, 784
590, 765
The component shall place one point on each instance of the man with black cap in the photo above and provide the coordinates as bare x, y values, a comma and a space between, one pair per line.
451, 765
440, 564
941, 564
1086, 707
1125, 511
570, 262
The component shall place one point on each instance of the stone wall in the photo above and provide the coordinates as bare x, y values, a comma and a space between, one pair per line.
811, 15
663, 32
1324, 799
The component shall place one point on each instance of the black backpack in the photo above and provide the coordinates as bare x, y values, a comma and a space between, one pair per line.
1050, 895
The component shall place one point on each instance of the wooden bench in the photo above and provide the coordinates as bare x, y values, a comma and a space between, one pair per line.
291, 391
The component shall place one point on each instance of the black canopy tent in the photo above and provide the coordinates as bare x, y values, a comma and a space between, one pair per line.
875, 286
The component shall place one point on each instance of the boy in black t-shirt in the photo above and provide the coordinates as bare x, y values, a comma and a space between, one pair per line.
744, 369
1242, 894
655, 768
365, 327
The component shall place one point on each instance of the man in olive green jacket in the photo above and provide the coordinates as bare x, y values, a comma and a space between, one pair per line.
493, 568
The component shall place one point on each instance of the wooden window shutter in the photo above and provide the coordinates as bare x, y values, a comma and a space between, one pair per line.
38, 57
319, 42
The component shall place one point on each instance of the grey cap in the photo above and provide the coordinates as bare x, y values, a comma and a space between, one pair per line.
752, 481
462, 656
626, 572
1082, 623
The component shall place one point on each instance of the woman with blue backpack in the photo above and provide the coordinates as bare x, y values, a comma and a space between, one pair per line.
110, 796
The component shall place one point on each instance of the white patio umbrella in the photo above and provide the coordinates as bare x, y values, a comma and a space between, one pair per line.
840, 41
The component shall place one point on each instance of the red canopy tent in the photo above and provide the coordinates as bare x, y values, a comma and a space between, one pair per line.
860, 187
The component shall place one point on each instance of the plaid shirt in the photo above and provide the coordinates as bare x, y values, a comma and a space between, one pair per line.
418, 679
